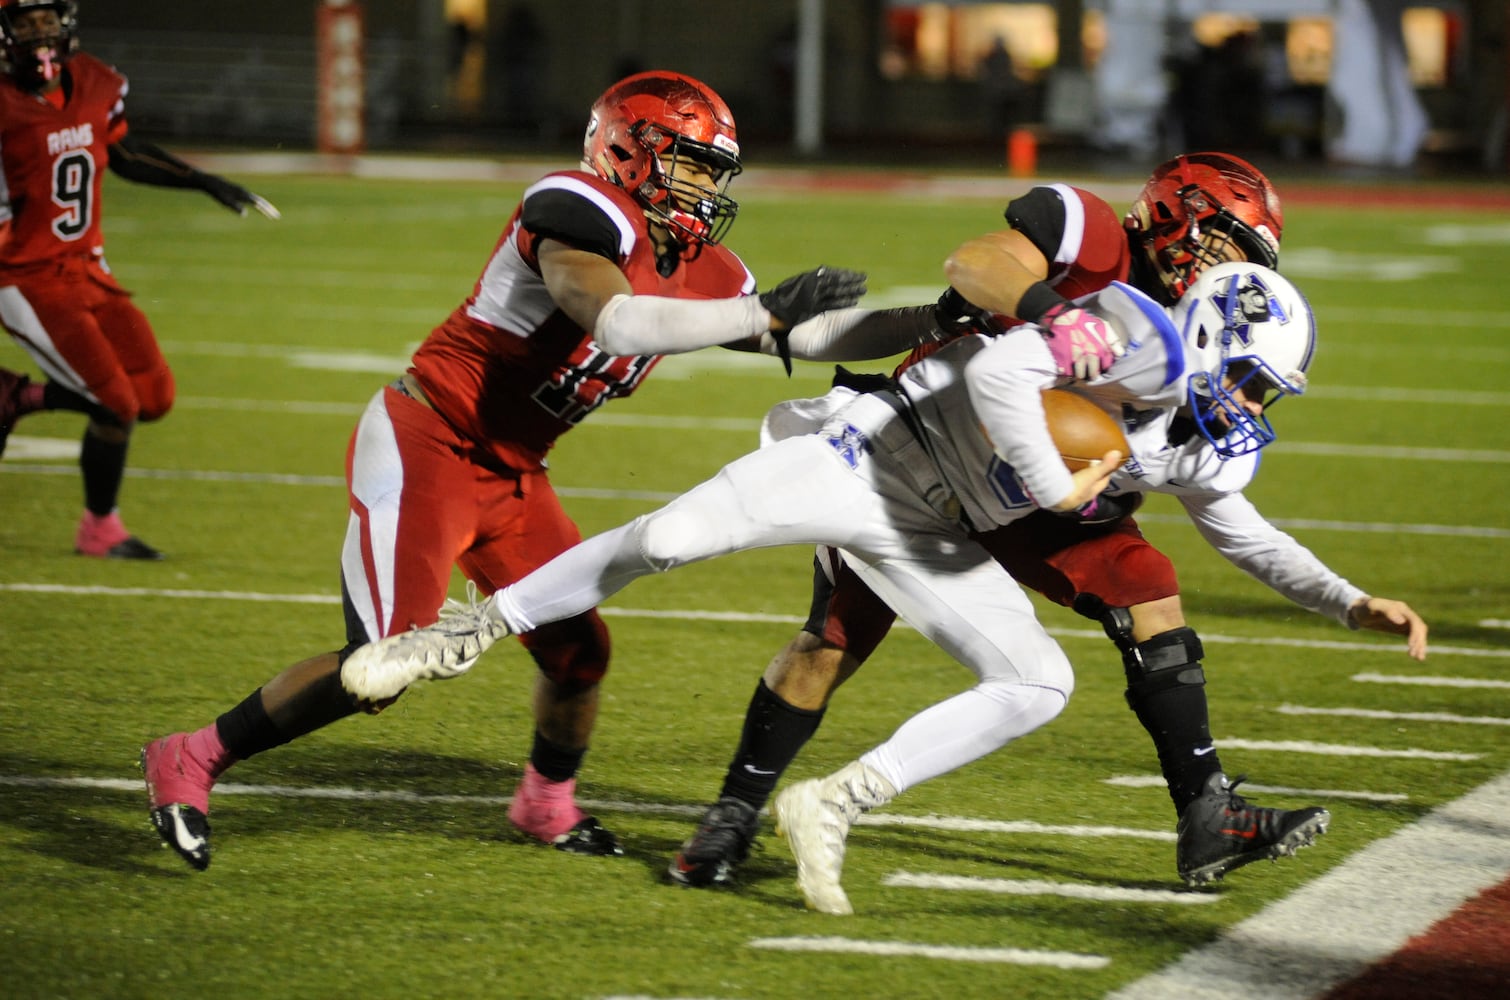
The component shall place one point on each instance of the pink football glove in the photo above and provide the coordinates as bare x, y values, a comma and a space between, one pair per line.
1083, 344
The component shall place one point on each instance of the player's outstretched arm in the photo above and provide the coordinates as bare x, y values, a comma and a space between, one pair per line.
145, 163
1395, 617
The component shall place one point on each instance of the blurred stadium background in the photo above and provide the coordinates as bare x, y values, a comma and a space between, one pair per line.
1403, 86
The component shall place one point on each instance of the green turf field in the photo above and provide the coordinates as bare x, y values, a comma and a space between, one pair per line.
373, 859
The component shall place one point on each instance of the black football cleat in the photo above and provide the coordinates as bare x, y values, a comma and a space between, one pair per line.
590, 838
133, 548
1221, 831
722, 842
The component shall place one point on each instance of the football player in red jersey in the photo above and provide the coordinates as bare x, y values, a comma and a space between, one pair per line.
1195, 211
599, 272
62, 120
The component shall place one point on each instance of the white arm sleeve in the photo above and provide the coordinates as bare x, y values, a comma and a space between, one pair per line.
857, 334
1005, 382
654, 324
1235, 528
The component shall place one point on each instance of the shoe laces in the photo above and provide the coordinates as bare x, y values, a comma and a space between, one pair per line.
1235, 800
728, 824
458, 617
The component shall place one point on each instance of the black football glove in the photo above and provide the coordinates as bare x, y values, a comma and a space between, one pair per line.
955, 315
235, 197
805, 295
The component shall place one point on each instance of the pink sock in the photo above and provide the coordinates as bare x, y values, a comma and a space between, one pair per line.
208, 752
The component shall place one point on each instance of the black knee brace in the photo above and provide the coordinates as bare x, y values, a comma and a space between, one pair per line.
1169, 660
1166, 661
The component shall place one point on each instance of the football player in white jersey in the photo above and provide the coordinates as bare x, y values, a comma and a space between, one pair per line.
899, 478
1196, 210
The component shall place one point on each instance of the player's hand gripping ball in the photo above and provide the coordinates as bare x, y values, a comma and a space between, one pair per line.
1081, 430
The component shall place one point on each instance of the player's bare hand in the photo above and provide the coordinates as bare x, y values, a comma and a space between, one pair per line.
1394, 617
1090, 481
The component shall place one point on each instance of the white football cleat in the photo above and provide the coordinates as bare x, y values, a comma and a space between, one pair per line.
814, 817
381, 670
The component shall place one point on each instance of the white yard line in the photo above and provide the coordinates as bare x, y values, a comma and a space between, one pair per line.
691, 615
678, 615
1039, 887
904, 949
1157, 781
957, 824
1368, 907
1374, 713
1431, 681
1343, 750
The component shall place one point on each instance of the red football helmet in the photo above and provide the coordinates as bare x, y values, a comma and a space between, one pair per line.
1192, 207
37, 59
638, 130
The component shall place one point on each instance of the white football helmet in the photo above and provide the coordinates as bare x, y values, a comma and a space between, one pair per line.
1244, 327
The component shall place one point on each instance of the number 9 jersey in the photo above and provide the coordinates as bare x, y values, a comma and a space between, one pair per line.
54, 159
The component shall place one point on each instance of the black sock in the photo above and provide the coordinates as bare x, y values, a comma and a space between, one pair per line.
247, 729
774, 732
55, 397
553, 761
103, 464
1177, 720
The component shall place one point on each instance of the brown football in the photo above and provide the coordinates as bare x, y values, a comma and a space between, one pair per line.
1081, 430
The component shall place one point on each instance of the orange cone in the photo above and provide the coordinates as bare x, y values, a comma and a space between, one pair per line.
1022, 153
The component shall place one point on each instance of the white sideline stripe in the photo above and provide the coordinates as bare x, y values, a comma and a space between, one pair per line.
694, 615
1374, 713
663, 496
1343, 750
904, 949
1038, 887
1369, 906
1483, 622
1462, 682
951, 823
1157, 781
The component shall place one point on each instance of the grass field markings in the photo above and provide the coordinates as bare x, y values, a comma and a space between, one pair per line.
302, 407
189, 475
1357, 527
1376, 713
1157, 781
1039, 887
948, 953
686, 614
1343, 750
1485, 622
1383, 394
39, 448
1395, 454
1476, 319
1334, 926
1430, 681
962, 824
949, 824
663, 496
